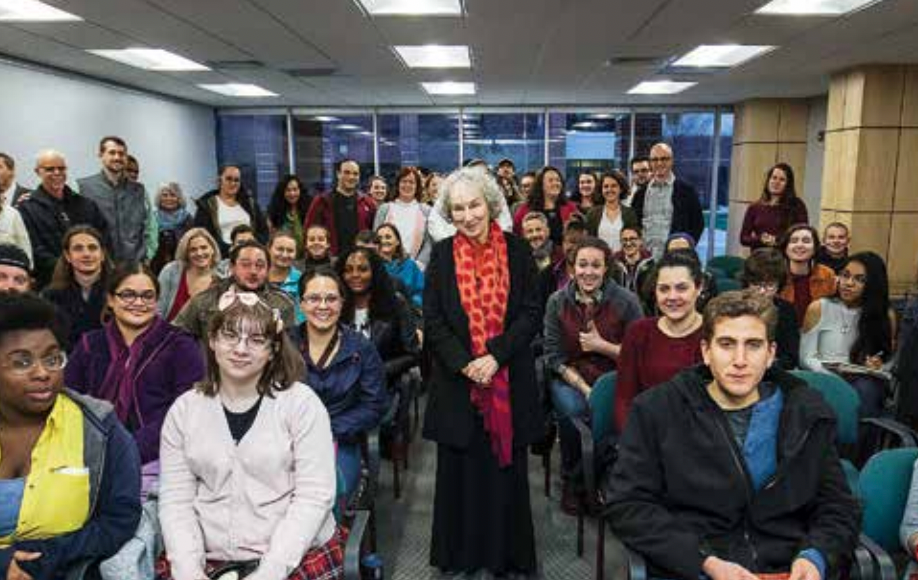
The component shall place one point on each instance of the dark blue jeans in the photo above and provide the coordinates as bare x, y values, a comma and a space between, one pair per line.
568, 403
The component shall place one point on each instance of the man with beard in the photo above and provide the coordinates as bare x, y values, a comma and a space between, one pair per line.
248, 272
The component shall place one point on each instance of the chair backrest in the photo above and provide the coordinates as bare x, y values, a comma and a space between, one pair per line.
728, 284
884, 485
730, 265
602, 403
841, 397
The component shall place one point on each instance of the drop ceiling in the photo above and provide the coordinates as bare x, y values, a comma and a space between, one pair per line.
323, 53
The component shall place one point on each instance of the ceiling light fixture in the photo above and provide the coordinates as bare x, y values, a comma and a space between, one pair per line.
434, 56
239, 90
721, 55
349, 127
411, 7
325, 119
449, 88
151, 59
814, 7
660, 87
33, 11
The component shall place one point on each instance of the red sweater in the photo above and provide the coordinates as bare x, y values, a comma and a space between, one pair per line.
648, 358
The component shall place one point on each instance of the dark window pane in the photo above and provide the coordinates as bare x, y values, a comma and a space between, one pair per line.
322, 141
429, 141
258, 145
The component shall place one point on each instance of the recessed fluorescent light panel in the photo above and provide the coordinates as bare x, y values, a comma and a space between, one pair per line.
239, 90
151, 59
449, 88
412, 7
721, 55
660, 87
814, 7
435, 56
32, 11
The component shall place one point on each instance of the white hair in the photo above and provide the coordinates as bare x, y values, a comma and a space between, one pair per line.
476, 178
46, 154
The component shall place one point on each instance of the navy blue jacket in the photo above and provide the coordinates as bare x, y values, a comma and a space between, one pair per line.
114, 497
352, 386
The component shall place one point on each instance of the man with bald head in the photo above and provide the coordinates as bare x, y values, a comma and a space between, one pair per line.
667, 205
51, 210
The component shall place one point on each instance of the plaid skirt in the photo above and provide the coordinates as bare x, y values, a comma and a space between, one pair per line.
323, 563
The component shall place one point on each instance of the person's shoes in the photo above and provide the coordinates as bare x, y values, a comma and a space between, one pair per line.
570, 500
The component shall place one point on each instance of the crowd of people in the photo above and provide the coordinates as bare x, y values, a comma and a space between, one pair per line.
219, 366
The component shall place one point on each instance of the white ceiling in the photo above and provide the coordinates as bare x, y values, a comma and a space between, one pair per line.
525, 52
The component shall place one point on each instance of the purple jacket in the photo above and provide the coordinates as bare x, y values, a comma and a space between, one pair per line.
168, 364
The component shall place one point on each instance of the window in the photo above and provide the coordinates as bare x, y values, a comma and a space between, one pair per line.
582, 142
519, 137
258, 145
430, 141
321, 141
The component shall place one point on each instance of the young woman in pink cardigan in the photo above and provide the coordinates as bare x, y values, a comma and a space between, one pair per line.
248, 464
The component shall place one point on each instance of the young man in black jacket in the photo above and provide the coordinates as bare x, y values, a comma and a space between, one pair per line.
729, 469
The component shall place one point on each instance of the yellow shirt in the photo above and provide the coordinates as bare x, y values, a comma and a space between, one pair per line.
56, 496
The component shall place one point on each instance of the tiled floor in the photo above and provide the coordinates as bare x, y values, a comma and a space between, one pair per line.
404, 525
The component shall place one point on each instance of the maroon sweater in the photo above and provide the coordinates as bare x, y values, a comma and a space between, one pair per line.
648, 358
762, 218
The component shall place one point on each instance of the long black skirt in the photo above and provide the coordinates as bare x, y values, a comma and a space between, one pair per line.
482, 517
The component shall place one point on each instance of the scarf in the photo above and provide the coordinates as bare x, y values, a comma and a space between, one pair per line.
170, 220
483, 280
119, 384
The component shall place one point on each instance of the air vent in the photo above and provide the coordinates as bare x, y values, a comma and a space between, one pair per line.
235, 64
635, 61
311, 72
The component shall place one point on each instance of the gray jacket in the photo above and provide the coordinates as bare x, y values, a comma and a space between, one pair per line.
169, 279
125, 208
197, 312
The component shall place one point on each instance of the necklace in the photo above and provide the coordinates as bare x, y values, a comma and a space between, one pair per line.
689, 326
848, 317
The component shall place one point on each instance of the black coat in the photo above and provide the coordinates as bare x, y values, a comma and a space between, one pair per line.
687, 215
47, 219
680, 490
450, 416
787, 336
206, 216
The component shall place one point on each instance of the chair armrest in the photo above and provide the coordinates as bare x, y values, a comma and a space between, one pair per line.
587, 455
79, 570
373, 461
354, 544
884, 563
907, 437
862, 564
637, 566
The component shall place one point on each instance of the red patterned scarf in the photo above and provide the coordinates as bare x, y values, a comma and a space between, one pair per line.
483, 278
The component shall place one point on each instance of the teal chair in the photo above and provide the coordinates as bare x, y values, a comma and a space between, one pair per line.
602, 402
728, 284
884, 483
844, 401
731, 266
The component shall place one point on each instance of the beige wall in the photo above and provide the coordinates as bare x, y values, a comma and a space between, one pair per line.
765, 132
870, 178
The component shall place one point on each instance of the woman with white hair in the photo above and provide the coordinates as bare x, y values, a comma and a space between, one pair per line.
172, 221
480, 316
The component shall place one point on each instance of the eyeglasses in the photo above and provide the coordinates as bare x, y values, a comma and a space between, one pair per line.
130, 296
232, 338
232, 179
858, 279
316, 299
660, 159
54, 169
22, 363
629, 240
764, 286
